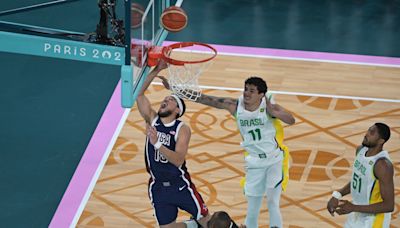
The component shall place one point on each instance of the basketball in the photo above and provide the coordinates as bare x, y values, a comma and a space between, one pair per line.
174, 19
137, 12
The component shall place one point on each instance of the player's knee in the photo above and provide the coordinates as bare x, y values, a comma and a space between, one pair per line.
252, 216
272, 203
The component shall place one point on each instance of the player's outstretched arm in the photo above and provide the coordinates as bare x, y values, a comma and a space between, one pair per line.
227, 103
142, 101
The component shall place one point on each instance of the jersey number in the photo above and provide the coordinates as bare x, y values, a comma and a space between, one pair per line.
159, 157
256, 134
356, 183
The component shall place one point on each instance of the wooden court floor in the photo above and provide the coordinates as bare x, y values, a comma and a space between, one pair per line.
322, 142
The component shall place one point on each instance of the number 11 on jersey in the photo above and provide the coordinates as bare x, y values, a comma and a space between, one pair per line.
256, 134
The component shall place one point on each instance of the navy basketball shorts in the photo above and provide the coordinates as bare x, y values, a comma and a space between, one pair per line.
168, 197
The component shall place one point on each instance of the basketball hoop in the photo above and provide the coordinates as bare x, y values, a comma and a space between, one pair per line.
186, 61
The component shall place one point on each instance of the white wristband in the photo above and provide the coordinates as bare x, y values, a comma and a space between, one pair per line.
157, 145
337, 195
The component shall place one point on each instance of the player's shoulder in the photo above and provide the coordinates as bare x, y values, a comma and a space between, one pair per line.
384, 162
154, 119
184, 127
383, 167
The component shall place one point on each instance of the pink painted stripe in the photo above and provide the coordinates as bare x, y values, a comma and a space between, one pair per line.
303, 54
89, 163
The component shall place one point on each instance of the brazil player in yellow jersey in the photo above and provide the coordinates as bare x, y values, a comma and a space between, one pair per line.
371, 185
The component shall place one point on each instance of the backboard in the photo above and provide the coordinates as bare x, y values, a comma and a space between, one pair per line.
149, 32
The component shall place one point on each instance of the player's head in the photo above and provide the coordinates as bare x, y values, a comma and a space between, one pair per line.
377, 134
172, 105
255, 89
221, 219
258, 82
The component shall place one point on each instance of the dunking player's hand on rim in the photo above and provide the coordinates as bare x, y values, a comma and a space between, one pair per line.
164, 81
161, 65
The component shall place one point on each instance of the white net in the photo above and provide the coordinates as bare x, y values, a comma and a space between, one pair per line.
184, 79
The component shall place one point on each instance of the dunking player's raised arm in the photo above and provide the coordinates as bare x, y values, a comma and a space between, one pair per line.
227, 103
142, 101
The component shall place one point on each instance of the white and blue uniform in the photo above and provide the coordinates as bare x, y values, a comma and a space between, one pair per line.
365, 190
170, 187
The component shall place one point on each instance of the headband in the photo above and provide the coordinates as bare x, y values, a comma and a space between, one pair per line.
179, 102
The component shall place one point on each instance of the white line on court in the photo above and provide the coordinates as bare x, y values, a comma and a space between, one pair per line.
293, 58
303, 94
99, 168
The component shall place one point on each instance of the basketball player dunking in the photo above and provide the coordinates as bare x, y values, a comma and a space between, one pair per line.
167, 143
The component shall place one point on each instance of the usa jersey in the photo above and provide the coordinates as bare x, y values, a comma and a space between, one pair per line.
170, 187
157, 165
365, 190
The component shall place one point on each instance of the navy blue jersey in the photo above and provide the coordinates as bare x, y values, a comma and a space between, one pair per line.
157, 165
170, 187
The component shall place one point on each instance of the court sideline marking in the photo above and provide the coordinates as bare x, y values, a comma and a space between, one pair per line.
92, 163
313, 56
302, 94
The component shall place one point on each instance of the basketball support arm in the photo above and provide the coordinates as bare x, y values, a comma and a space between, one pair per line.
74, 50
161, 38
40, 41
44, 44
34, 7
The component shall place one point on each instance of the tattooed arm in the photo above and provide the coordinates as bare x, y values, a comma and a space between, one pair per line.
227, 103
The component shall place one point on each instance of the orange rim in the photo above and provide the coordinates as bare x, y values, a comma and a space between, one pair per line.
167, 49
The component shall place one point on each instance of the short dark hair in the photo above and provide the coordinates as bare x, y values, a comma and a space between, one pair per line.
259, 82
221, 219
383, 131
